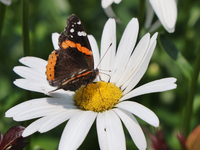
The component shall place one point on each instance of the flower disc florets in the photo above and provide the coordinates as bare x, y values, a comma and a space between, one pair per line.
98, 97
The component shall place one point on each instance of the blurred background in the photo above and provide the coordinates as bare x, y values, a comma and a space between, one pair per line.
46, 17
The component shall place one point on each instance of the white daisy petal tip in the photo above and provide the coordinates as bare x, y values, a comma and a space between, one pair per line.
106, 3
27, 133
18, 82
29, 58
24, 134
156, 122
170, 30
155, 35
172, 81
6, 2
133, 24
11, 113
166, 11
54, 38
15, 82
110, 22
24, 59
117, 1
135, 20
33, 62
8, 114
15, 69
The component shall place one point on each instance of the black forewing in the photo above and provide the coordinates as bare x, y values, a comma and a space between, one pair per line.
75, 32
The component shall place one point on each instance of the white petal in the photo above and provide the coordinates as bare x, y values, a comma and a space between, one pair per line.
54, 38
30, 74
140, 111
141, 69
57, 120
47, 123
76, 130
101, 131
33, 127
41, 87
149, 15
125, 48
35, 63
155, 26
95, 50
114, 131
166, 10
133, 128
37, 108
6, 2
62, 94
106, 3
110, 13
107, 51
135, 59
117, 1
152, 87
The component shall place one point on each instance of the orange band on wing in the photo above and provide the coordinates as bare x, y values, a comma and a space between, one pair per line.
80, 75
50, 71
80, 48
67, 44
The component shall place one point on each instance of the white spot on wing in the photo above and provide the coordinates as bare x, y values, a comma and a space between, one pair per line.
81, 33
79, 22
72, 30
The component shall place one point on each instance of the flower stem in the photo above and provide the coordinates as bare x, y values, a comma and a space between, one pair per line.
26, 46
141, 12
2, 14
192, 88
25, 27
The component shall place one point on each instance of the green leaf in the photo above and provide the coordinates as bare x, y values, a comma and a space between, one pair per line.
173, 52
169, 47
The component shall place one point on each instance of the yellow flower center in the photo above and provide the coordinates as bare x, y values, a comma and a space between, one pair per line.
97, 97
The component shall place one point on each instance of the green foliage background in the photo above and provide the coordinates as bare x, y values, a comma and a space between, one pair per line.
48, 16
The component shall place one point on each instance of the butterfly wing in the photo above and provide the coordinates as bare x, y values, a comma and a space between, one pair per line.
74, 35
73, 57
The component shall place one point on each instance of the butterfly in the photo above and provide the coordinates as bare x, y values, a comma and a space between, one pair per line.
72, 65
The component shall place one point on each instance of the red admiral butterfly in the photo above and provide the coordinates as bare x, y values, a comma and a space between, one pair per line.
72, 65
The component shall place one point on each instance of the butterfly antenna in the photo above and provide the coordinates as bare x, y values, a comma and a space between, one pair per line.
104, 55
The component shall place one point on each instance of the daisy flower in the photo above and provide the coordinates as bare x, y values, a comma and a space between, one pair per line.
166, 11
107, 102
6, 2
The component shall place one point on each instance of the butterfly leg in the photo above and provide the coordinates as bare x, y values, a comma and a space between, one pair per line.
99, 91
